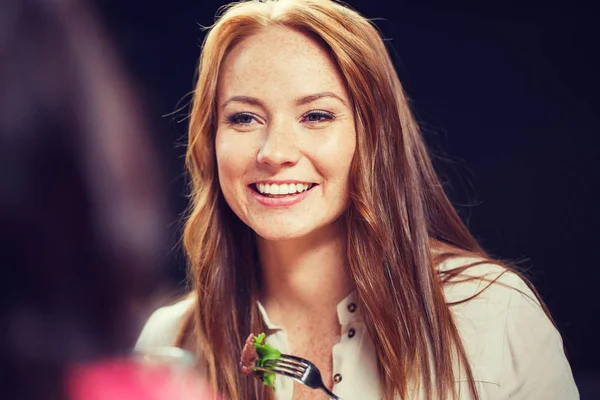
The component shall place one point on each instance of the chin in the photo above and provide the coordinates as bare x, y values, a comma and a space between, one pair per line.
276, 234
292, 229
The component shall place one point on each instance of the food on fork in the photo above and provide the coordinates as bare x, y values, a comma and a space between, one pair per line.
254, 355
249, 356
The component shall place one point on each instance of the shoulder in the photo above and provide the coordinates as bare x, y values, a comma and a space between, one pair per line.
479, 298
482, 278
487, 300
164, 324
509, 338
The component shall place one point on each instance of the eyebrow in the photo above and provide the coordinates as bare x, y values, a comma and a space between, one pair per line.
243, 99
312, 97
299, 101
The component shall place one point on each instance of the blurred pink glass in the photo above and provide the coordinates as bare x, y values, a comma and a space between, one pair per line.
155, 373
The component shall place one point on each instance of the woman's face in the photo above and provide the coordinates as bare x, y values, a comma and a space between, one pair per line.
285, 134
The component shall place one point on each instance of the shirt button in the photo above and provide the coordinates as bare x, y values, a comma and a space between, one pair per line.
352, 307
337, 378
351, 333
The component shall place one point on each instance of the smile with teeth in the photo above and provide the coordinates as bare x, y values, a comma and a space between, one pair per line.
283, 189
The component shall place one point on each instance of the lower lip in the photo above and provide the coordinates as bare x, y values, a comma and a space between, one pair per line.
284, 201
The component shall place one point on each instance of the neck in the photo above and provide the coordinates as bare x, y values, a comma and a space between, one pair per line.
306, 276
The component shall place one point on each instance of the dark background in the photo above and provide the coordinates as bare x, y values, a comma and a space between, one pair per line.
508, 96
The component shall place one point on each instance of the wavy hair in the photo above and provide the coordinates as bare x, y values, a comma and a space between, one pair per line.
398, 212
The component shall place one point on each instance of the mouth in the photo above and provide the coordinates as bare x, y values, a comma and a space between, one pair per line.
280, 190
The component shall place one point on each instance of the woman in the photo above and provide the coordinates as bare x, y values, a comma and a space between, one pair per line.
81, 215
317, 217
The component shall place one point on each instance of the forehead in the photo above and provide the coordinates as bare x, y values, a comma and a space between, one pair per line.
279, 59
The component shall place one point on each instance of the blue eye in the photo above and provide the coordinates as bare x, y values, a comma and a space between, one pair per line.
317, 116
241, 119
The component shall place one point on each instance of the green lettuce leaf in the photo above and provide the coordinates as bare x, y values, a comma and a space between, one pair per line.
266, 352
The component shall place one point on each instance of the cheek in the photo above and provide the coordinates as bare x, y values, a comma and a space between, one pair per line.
334, 156
230, 168
233, 157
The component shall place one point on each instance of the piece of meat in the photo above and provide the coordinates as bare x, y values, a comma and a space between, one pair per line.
249, 357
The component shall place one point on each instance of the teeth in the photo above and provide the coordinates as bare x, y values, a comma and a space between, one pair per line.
284, 188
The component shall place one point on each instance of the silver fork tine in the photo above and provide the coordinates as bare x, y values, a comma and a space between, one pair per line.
285, 358
298, 369
285, 364
280, 372
296, 359
296, 372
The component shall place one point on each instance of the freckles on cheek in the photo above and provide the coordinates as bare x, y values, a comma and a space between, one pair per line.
334, 155
233, 156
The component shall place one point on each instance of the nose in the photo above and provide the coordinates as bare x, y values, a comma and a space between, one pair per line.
279, 147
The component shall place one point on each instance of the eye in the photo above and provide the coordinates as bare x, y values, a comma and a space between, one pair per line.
316, 116
242, 118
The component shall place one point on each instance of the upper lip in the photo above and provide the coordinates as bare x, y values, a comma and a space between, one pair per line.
280, 182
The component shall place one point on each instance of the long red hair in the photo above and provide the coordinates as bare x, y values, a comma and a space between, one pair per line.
398, 213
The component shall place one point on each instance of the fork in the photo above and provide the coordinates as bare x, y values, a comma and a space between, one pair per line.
298, 369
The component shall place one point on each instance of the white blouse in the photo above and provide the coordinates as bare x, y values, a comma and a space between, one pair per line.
514, 350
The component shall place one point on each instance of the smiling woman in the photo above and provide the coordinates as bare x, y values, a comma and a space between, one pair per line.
296, 130
317, 218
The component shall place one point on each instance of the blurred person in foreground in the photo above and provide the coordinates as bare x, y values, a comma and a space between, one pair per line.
82, 215
318, 218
